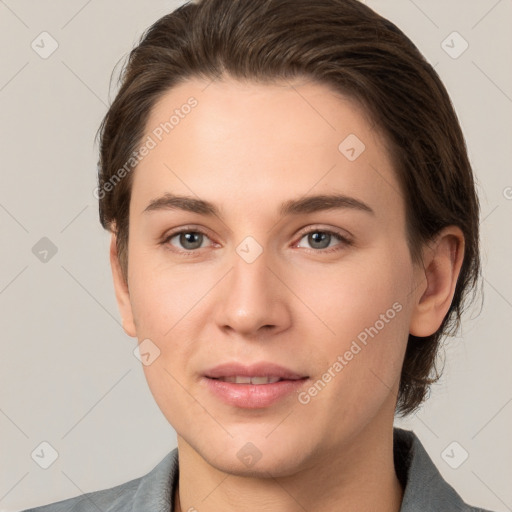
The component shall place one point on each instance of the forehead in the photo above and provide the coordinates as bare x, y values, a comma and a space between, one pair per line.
228, 142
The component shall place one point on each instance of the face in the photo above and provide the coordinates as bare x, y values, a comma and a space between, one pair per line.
272, 276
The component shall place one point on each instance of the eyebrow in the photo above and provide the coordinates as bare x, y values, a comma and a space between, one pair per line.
303, 205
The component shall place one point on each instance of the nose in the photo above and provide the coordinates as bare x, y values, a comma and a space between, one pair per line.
254, 299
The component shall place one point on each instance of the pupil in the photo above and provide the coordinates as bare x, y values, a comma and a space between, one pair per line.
319, 237
188, 238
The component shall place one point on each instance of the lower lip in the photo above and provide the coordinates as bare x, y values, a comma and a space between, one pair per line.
253, 396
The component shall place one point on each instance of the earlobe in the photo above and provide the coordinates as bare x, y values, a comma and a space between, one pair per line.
121, 290
442, 263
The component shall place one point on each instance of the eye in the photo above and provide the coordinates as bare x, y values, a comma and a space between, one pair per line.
321, 239
189, 239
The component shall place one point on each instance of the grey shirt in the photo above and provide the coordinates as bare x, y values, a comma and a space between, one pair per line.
425, 490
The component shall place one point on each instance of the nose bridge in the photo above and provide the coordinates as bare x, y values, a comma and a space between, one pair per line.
254, 297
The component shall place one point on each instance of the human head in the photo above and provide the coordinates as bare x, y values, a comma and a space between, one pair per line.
339, 43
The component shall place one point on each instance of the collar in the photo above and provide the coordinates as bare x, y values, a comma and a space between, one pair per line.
425, 490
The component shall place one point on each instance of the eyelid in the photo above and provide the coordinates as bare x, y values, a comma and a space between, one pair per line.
184, 229
345, 235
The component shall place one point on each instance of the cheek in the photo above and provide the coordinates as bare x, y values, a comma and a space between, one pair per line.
367, 311
165, 305
353, 297
359, 359
162, 297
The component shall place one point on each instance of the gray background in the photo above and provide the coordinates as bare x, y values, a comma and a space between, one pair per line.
68, 373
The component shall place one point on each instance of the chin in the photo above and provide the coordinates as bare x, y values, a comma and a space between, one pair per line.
255, 455
269, 467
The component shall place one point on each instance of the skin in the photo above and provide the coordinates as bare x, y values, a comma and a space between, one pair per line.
248, 148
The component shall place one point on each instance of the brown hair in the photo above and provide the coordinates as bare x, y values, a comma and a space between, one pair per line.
340, 43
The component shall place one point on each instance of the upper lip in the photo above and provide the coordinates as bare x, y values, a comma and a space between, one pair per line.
262, 369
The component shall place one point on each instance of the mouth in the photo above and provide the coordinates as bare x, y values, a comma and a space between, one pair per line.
242, 379
253, 386
256, 373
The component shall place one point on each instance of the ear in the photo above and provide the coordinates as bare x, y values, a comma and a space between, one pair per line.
442, 261
121, 289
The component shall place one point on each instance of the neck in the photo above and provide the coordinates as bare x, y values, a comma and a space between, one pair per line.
360, 475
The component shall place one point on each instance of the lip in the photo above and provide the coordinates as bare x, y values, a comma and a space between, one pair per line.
262, 369
252, 396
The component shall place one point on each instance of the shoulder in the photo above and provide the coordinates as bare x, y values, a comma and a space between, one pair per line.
152, 491
424, 487
104, 499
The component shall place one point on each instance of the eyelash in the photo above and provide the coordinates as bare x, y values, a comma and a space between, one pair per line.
192, 252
